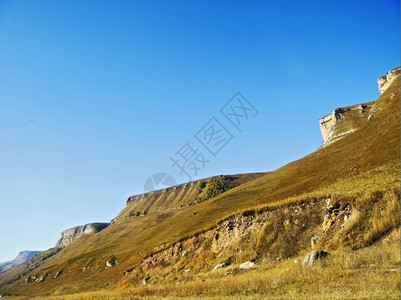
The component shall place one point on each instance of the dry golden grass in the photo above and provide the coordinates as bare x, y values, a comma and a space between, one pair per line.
369, 273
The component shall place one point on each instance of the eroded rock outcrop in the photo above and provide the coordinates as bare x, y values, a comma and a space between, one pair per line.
243, 239
345, 120
313, 256
70, 235
269, 234
385, 81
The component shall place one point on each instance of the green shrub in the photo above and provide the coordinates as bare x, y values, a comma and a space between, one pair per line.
215, 186
41, 256
201, 184
138, 213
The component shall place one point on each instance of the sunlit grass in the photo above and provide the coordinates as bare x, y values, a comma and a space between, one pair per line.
369, 273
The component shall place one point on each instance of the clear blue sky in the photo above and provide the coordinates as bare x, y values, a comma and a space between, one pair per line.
96, 96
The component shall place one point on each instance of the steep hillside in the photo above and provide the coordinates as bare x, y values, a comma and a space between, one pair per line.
343, 197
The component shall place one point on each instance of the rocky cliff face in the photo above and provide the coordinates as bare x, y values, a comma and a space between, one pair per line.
345, 120
70, 235
385, 81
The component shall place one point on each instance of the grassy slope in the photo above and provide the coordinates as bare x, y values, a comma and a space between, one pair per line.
173, 197
368, 159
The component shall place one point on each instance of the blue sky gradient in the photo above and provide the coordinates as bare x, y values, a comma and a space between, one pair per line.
95, 96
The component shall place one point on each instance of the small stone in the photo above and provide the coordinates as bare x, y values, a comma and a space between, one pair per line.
311, 257
145, 280
246, 265
41, 278
314, 240
111, 262
222, 265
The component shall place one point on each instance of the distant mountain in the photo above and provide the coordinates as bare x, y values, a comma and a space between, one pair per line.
21, 257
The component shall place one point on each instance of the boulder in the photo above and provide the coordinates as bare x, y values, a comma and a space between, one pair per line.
313, 256
222, 265
30, 279
111, 262
41, 278
246, 265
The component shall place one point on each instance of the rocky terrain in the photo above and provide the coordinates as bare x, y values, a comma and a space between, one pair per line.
385, 81
345, 120
70, 235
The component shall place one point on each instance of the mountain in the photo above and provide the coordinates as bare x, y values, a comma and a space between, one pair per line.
19, 259
220, 236
70, 235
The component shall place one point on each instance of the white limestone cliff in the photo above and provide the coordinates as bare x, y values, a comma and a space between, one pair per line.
70, 235
345, 120
385, 81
